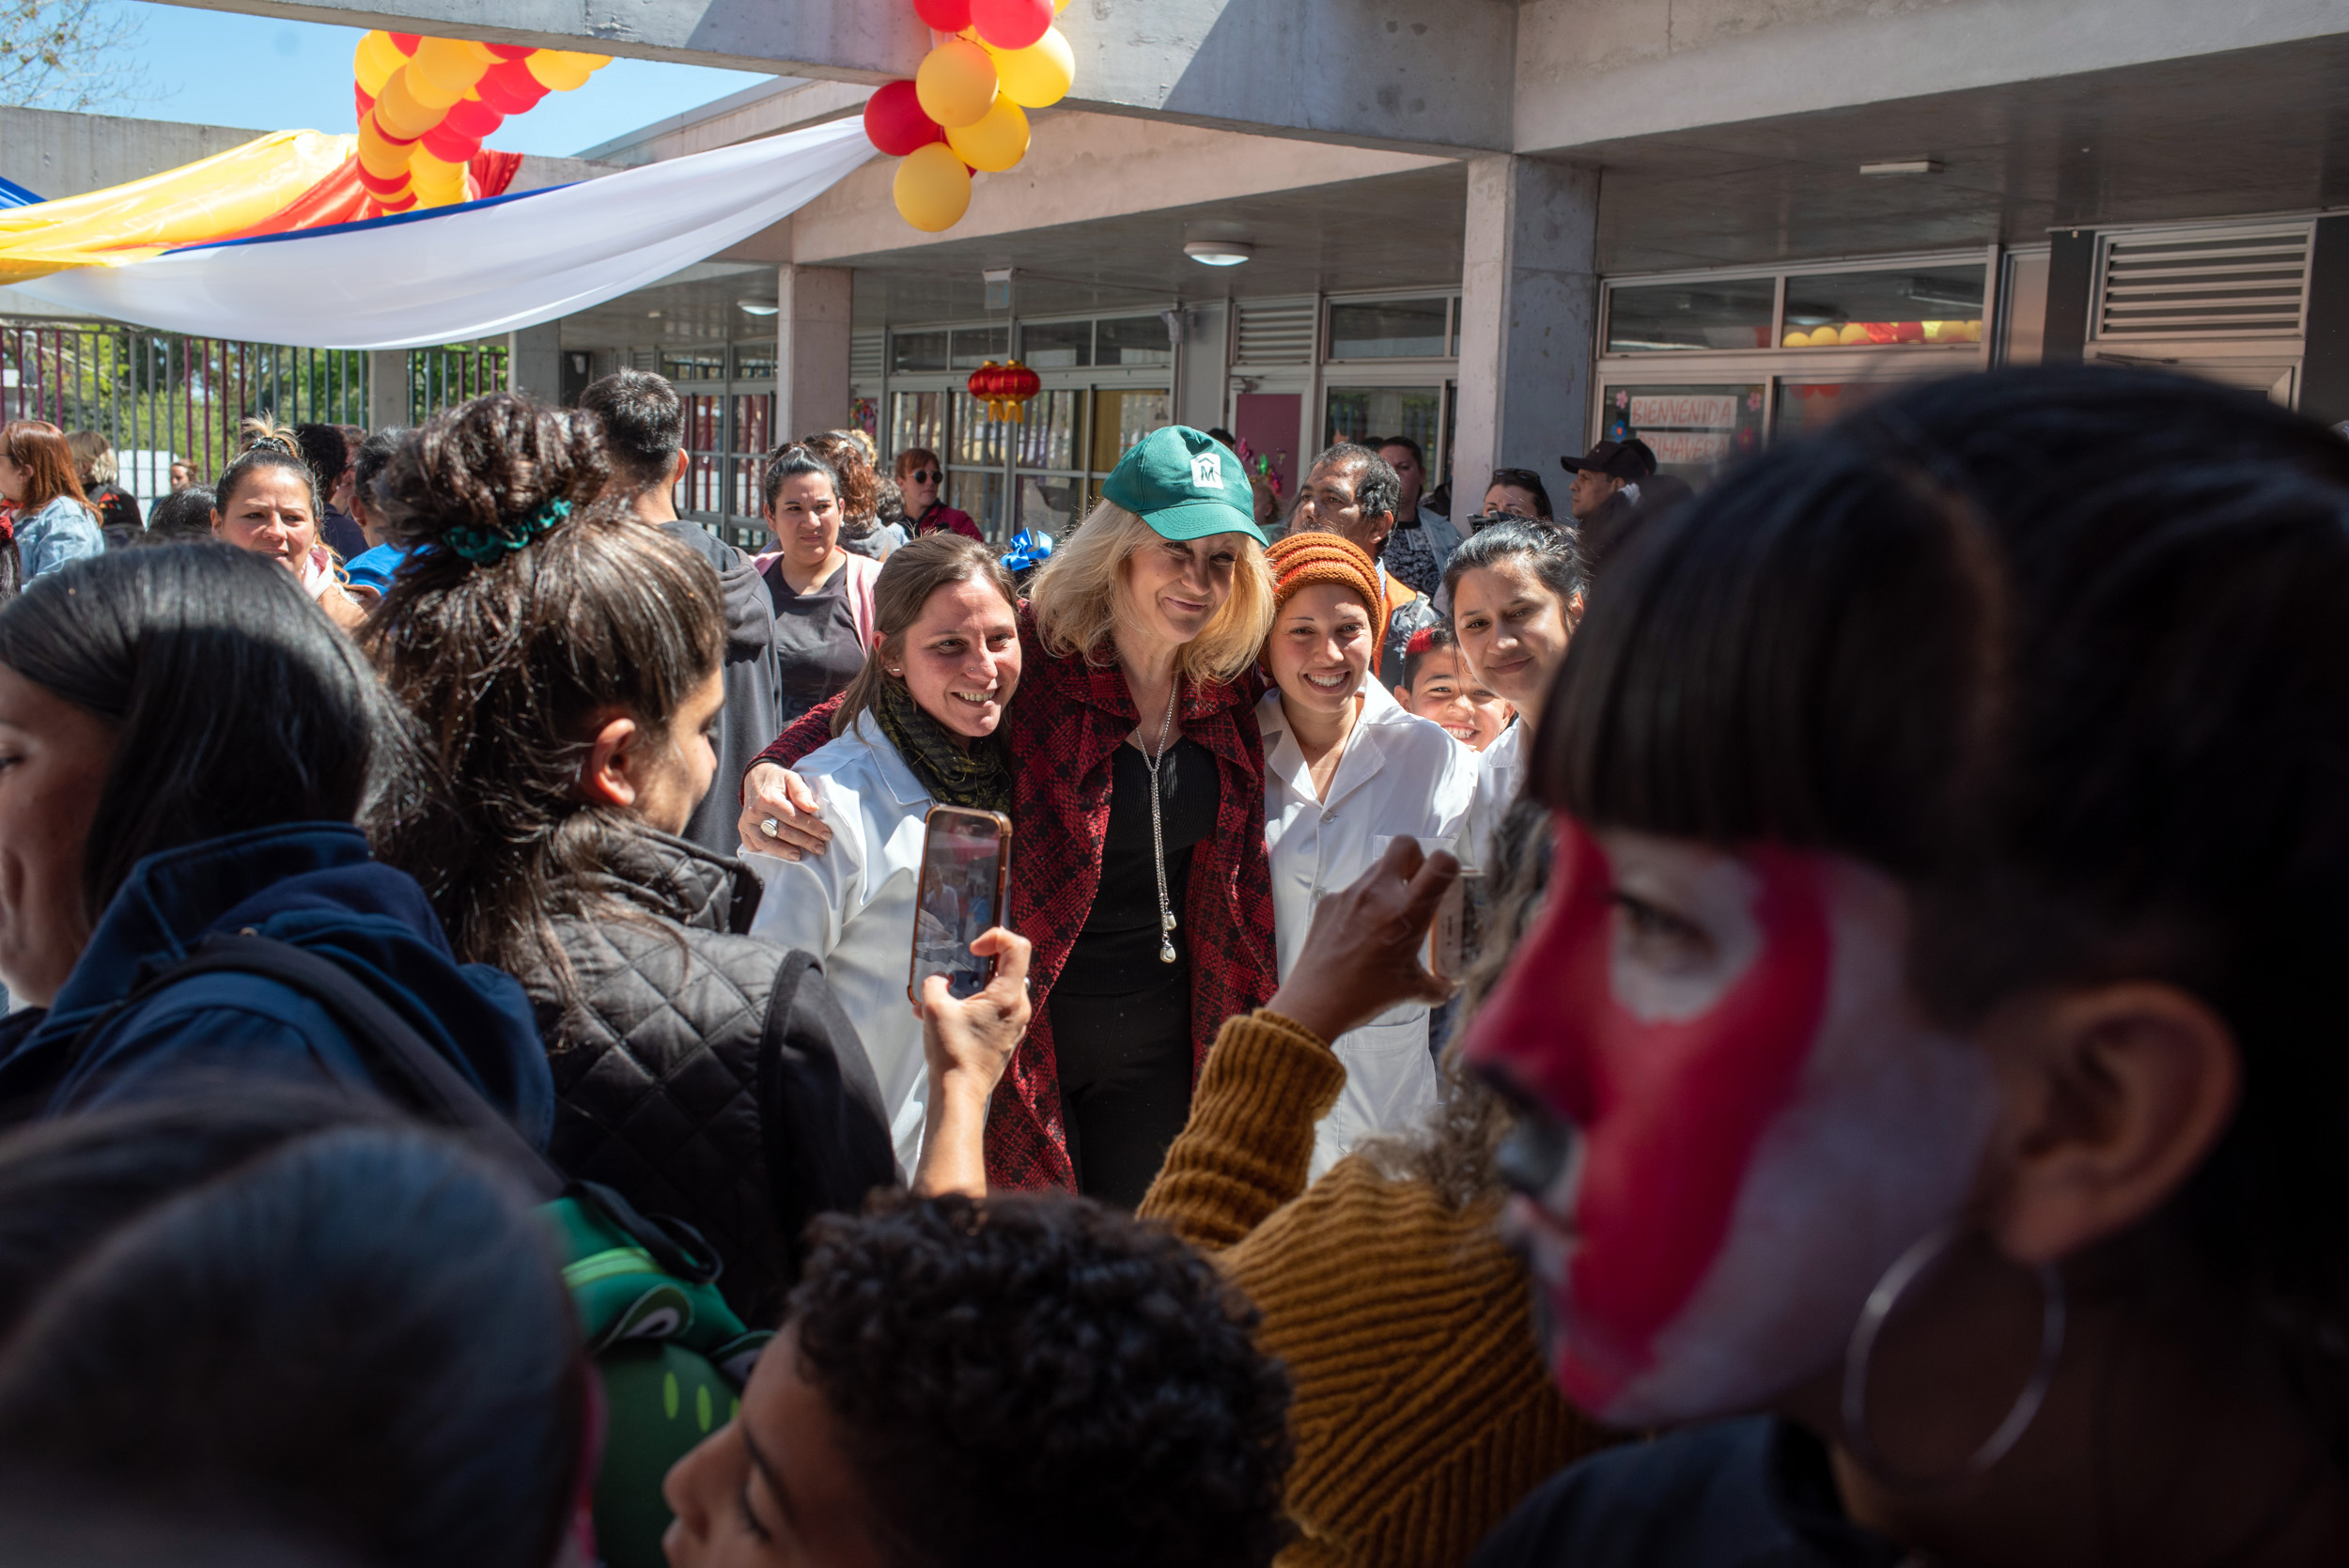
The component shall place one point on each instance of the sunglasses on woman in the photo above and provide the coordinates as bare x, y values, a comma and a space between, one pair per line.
923, 475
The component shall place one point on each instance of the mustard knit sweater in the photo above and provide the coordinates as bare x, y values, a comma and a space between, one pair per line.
1422, 1412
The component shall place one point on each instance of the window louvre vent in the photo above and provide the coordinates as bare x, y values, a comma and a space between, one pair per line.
2203, 283
865, 353
1277, 331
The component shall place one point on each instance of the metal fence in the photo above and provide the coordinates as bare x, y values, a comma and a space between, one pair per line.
161, 396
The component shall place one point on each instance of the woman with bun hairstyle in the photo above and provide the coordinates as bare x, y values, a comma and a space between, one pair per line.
54, 522
1943, 964
1138, 863
916, 729
267, 503
562, 664
1346, 770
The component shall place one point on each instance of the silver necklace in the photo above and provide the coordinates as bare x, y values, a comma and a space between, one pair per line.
1158, 839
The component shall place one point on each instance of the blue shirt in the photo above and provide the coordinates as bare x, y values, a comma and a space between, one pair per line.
373, 569
62, 531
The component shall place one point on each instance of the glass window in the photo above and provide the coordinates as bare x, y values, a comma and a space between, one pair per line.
975, 345
1047, 435
978, 440
1131, 340
1390, 329
755, 362
1804, 406
1368, 415
917, 350
1912, 305
1711, 313
754, 413
704, 427
749, 501
707, 364
1046, 502
1692, 430
1056, 345
981, 496
705, 485
917, 419
1121, 418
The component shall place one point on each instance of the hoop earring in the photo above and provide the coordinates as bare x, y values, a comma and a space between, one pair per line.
1905, 1271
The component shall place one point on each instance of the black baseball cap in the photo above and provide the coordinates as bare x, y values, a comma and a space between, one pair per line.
1619, 459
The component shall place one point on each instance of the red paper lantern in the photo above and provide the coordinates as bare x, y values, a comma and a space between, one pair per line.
894, 123
1011, 24
1004, 388
947, 16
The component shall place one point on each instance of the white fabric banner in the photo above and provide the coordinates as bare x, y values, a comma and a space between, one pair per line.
461, 272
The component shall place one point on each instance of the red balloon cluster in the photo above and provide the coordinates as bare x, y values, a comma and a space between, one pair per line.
894, 120
1004, 388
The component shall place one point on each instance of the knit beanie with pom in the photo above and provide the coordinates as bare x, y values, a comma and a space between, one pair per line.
1301, 559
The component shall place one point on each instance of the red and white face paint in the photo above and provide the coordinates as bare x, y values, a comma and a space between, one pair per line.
1764, 1120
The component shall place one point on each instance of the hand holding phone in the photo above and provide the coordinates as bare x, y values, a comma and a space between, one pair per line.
966, 863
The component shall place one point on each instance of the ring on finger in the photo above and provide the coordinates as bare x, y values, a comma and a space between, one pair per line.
769, 826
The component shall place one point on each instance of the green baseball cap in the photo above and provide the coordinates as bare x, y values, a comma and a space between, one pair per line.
1186, 484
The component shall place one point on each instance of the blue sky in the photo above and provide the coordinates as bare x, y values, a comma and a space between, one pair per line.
218, 67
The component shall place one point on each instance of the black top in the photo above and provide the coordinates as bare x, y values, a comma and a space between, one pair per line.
816, 650
1117, 952
117, 513
342, 533
1755, 1493
749, 720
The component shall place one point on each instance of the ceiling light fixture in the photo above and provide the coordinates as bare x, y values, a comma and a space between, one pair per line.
1904, 165
1218, 252
759, 307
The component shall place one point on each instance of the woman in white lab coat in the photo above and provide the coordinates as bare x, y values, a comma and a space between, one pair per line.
1347, 770
1516, 592
916, 729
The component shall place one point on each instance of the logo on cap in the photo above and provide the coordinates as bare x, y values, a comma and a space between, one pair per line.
1207, 469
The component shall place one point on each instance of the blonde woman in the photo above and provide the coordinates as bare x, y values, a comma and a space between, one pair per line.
1138, 863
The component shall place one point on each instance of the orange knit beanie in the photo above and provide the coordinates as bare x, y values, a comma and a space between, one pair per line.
1299, 559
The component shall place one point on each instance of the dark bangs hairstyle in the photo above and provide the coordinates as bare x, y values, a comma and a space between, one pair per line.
2067, 652
509, 665
236, 704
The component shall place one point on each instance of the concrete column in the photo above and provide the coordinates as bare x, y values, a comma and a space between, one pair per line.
812, 321
387, 388
2071, 286
534, 361
1529, 309
1203, 364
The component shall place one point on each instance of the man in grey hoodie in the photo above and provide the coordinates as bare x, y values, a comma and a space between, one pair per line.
643, 438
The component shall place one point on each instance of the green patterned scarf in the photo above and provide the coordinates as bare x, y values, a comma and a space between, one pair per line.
973, 776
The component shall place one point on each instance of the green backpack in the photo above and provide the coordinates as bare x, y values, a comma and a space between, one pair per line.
670, 1353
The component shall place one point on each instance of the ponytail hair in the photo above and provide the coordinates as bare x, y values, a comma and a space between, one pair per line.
906, 581
261, 446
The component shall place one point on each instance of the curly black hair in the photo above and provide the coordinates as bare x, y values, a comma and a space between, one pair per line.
1040, 1380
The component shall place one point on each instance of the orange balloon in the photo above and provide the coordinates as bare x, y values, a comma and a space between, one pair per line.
380, 157
561, 71
955, 84
399, 112
932, 188
450, 65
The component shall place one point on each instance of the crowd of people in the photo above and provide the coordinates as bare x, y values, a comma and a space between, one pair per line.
1789, 1023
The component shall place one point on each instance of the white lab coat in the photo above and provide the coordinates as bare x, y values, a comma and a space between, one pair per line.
1499, 770
853, 907
1399, 776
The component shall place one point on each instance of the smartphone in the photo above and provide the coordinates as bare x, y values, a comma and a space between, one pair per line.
965, 862
1458, 932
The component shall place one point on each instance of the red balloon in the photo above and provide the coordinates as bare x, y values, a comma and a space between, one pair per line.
510, 89
469, 117
449, 146
364, 101
947, 16
1011, 24
894, 123
511, 50
405, 42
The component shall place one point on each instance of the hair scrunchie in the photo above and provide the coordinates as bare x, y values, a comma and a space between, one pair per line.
482, 546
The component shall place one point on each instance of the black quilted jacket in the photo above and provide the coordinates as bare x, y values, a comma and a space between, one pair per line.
706, 1075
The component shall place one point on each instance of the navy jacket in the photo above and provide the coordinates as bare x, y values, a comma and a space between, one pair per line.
315, 885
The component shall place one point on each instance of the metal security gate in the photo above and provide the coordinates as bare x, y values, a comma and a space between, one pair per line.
161, 396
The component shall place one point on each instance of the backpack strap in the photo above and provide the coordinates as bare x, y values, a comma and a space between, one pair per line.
413, 1072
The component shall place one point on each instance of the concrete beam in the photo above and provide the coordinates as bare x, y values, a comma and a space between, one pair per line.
1433, 74
1597, 70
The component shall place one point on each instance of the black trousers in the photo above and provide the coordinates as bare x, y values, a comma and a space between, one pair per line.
1125, 1082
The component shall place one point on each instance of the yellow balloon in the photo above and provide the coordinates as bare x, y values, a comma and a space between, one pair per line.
368, 73
997, 141
450, 65
377, 46
1854, 331
932, 188
1037, 77
400, 113
380, 157
559, 69
955, 84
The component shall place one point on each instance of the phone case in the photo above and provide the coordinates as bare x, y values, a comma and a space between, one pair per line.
1001, 825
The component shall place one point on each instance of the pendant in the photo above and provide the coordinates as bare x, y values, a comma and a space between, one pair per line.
1166, 920
1166, 949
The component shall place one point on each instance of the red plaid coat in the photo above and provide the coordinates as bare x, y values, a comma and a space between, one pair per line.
1063, 731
